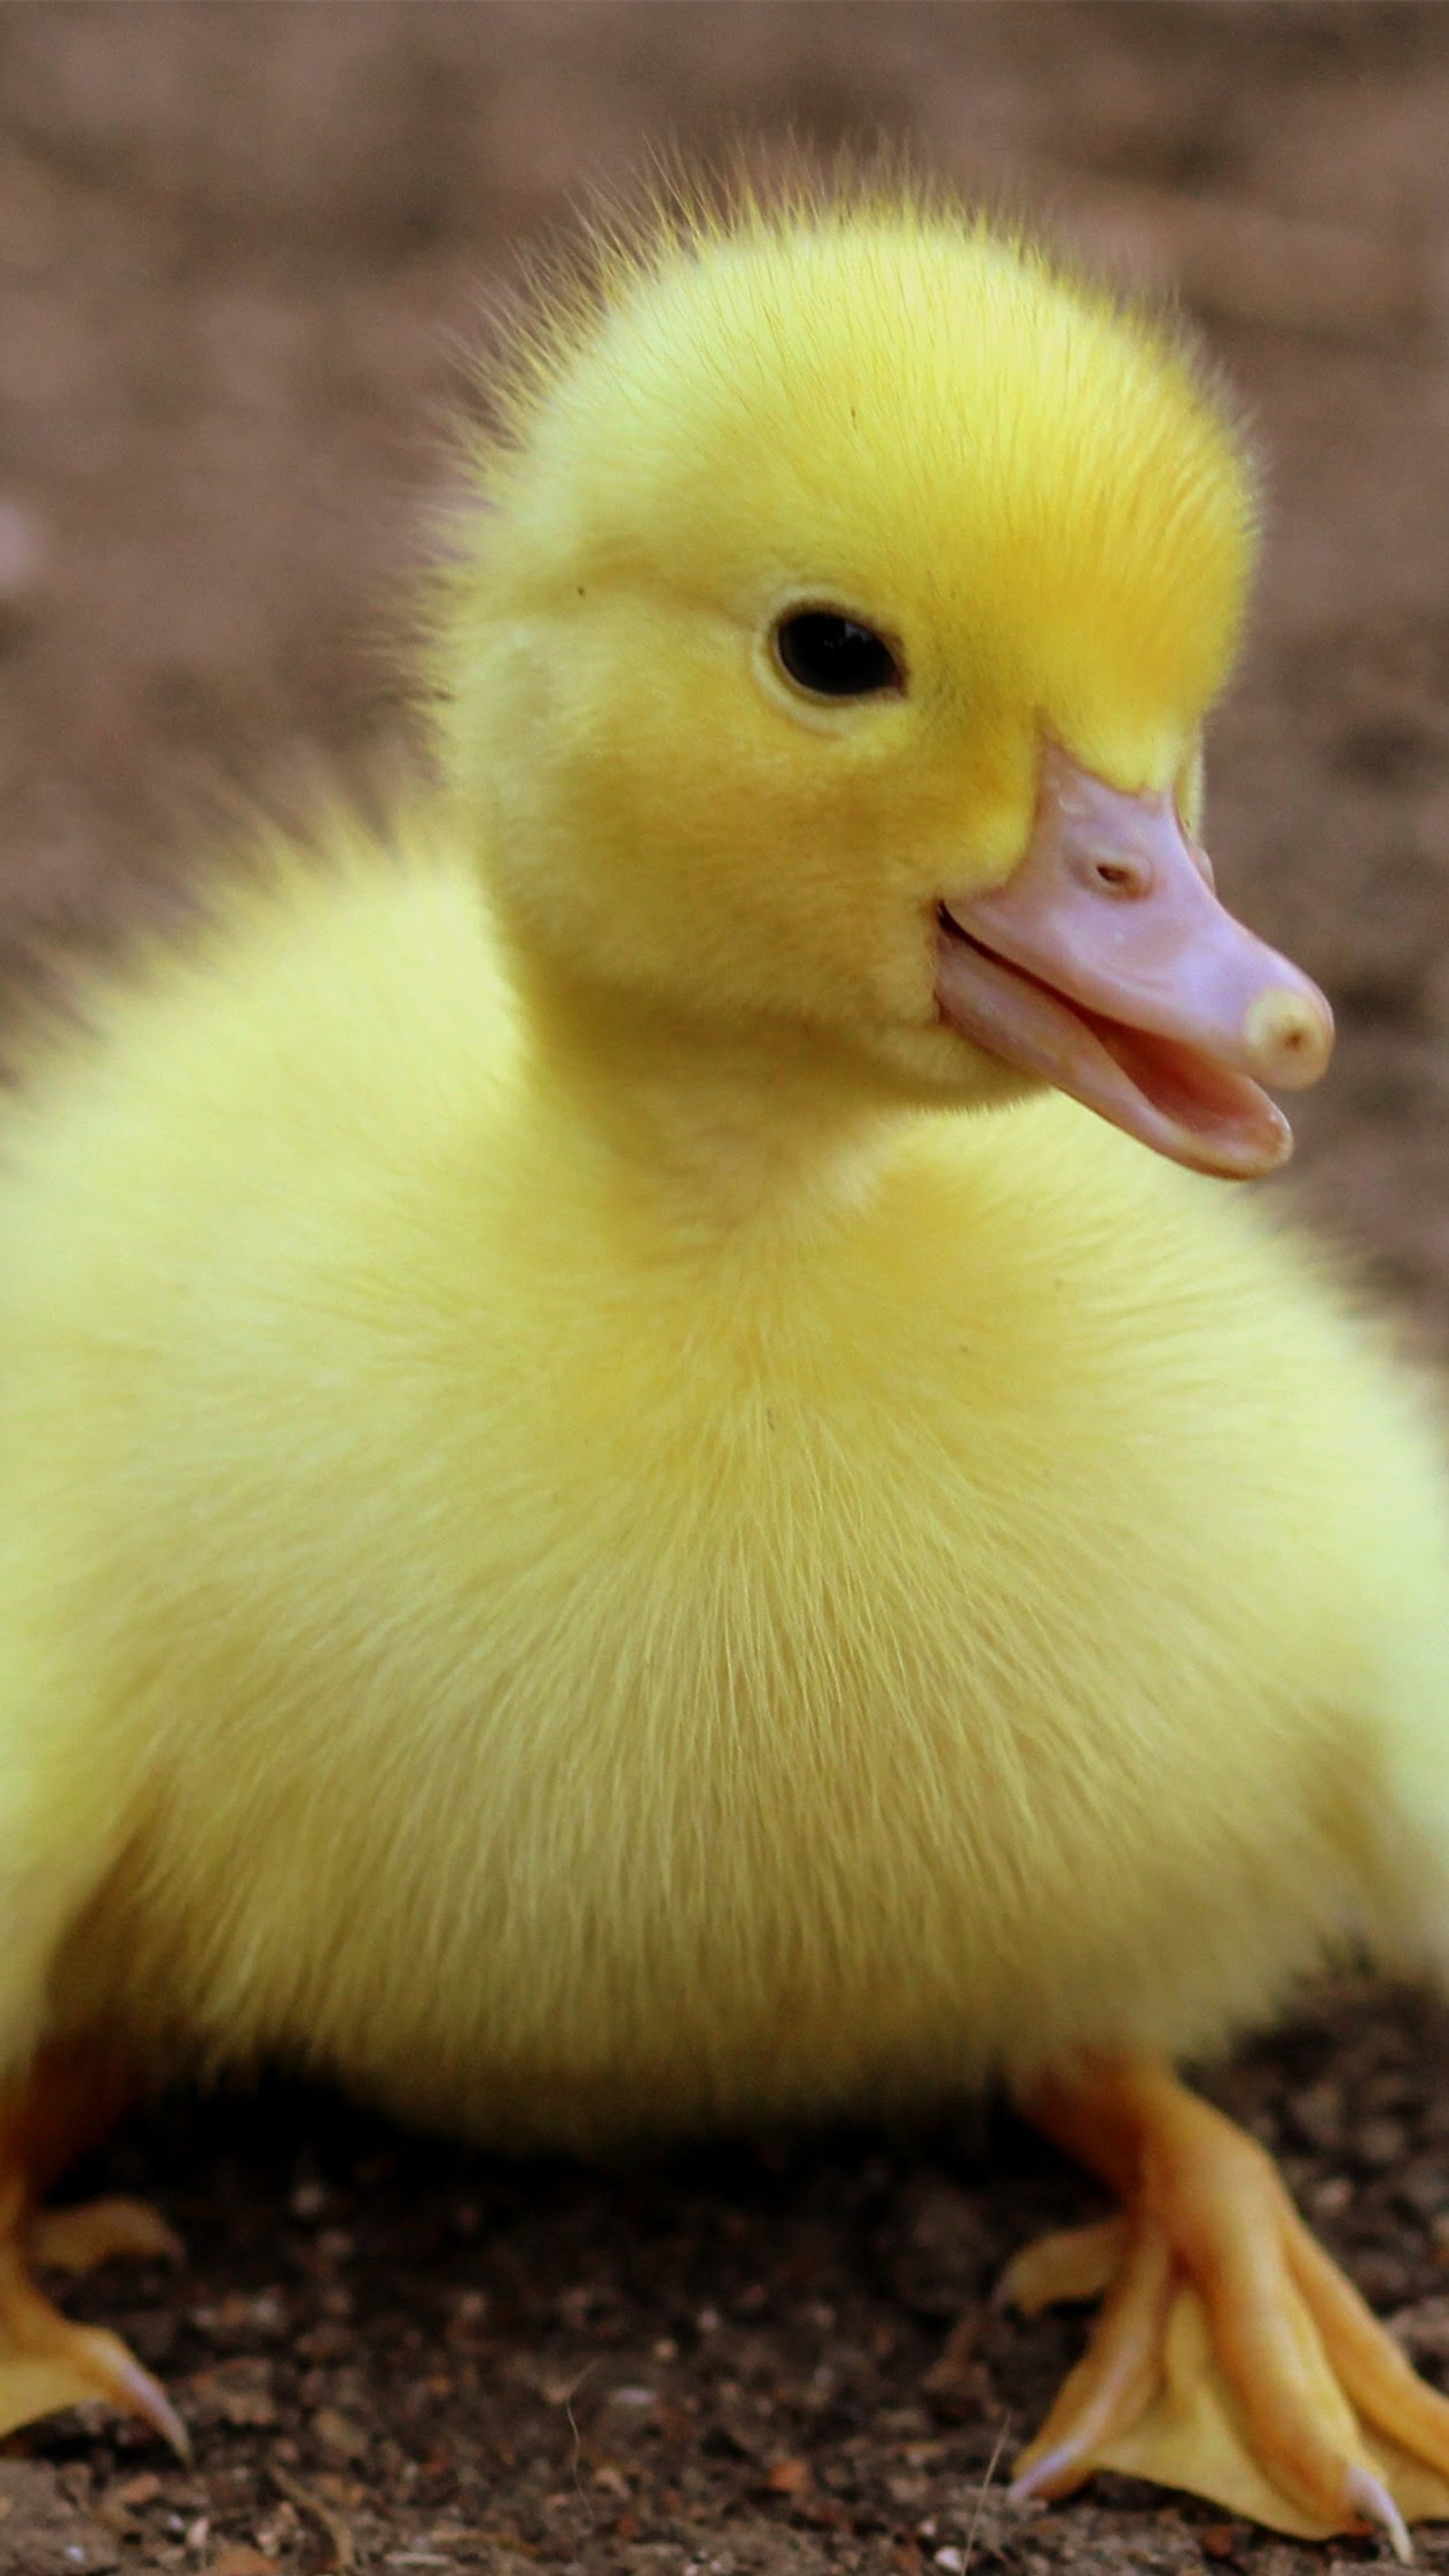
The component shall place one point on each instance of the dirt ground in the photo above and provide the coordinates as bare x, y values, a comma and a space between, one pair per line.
242, 252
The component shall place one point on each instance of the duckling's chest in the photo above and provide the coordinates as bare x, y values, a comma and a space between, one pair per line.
686, 1716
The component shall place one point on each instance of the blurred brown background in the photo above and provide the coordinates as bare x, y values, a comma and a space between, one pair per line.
243, 250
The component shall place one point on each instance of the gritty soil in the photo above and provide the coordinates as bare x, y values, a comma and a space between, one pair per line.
242, 253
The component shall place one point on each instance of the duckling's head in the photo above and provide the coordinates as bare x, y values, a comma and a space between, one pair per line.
832, 661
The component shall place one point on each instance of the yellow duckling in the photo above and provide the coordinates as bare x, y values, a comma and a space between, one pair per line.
588, 1546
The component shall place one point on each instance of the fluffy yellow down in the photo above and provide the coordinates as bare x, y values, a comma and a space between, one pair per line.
580, 1546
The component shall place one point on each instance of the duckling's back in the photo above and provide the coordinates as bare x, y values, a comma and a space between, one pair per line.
567, 1670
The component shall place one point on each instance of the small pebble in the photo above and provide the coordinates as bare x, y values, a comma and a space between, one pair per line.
339, 2435
789, 2477
136, 2492
1380, 2143
1331, 2195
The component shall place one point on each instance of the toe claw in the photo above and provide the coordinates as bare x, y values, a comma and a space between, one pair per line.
1368, 2496
122, 2381
1053, 2475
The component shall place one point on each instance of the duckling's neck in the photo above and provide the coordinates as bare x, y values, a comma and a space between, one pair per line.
707, 1129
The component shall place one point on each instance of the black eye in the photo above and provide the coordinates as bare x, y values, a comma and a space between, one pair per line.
833, 656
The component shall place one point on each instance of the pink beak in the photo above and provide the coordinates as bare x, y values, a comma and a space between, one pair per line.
1108, 965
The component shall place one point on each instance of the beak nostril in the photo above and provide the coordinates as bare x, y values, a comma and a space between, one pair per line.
1120, 877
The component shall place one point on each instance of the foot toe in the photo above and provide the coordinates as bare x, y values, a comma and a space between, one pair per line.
102, 2231
1070, 2264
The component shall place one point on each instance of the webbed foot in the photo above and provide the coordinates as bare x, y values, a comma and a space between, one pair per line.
46, 2361
1231, 2357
